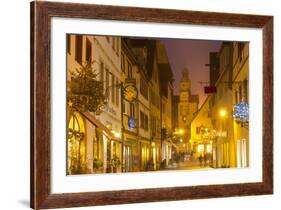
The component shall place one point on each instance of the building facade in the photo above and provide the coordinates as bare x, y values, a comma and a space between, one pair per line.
166, 94
131, 113
215, 124
240, 94
202, 133
99, 141
124, 135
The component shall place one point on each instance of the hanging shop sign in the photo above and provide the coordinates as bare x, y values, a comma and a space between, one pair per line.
130, 91
210, 89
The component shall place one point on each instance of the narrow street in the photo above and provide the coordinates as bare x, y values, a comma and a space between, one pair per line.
190, 165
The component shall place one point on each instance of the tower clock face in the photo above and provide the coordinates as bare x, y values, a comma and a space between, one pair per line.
184, 86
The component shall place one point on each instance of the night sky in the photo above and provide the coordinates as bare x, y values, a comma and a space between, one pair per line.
193, 54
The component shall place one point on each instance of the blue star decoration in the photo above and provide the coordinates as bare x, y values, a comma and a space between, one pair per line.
241, 113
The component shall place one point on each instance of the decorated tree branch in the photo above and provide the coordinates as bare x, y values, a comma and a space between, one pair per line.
86, 92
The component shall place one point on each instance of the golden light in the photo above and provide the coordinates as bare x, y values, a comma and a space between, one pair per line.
209, 148
180, 140
223, 113
200, 148
116, 134
181, 131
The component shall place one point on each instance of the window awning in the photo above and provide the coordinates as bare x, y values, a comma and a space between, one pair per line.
99, 124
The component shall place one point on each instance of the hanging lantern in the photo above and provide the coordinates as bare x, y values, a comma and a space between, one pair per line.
241, 113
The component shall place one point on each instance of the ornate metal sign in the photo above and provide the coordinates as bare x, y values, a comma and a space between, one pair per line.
130, 90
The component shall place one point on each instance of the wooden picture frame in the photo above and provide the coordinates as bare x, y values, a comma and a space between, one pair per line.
41, 14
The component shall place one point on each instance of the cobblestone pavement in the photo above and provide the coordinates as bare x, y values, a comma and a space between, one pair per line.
187, 166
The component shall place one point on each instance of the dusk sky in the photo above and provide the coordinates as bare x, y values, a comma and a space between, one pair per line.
193, 54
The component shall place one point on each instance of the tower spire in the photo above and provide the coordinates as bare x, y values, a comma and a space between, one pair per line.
185, 74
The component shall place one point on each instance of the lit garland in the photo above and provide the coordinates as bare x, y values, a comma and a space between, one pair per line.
241, 113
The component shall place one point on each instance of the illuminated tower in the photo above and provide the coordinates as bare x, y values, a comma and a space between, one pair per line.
188, 106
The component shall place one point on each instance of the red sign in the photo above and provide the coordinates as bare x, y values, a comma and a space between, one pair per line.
210, 89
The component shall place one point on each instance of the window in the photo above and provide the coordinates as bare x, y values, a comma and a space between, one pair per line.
143, 87
141, 119
198, 129
117, 92
78, 48
236, 96
153, 125
240, 93
163, 107
68, 43
122, 62
102, 72
129, 70
145, 122
132, 109
112, 88
128, 108
113, 43
107, 82
124, 107
157, 101
240, 50
88, 51
184, 109
158, 126
245, 87
117, 45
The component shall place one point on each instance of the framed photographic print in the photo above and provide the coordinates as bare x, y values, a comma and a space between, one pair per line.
139, 105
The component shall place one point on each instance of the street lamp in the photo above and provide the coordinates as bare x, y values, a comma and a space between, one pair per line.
181, 131
222, 113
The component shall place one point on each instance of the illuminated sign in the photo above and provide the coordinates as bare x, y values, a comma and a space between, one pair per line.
130, 91
132, 123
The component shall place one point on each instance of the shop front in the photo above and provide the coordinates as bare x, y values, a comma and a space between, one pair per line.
76, 148
131, 152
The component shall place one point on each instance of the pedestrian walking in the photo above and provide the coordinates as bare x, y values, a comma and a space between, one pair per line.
200, 160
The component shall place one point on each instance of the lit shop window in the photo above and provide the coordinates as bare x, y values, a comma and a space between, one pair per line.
76, 145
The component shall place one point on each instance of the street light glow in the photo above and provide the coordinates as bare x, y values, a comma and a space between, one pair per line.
116, 134
181, 131
222, 112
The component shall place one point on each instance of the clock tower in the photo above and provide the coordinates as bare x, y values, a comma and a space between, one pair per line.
185, 86
187, 106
